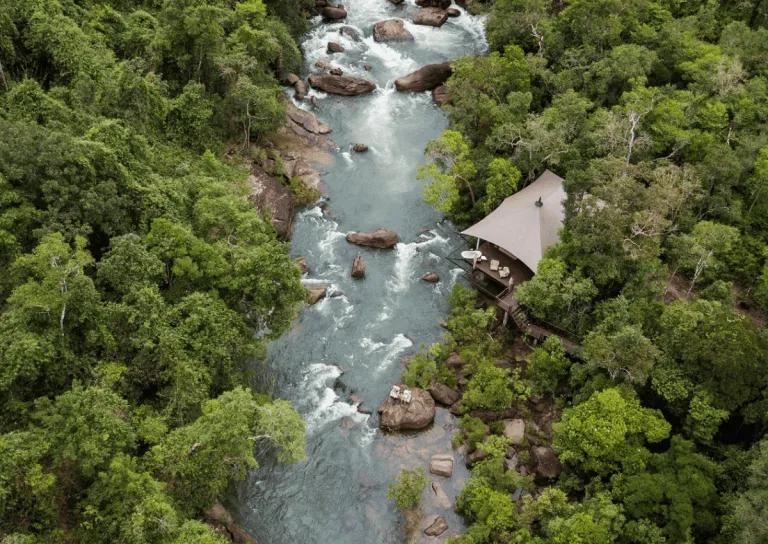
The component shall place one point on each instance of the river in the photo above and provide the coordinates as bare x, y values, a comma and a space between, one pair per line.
354, 343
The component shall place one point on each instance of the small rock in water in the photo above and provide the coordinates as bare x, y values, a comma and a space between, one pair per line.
453, 12
316, 293
391, 30
336, 71
363, 409
323, 64
302, 264
358, 267
291, 79
334, 13
350, 33
355, 399
367, 67
431, 277
313, 101
334, 47
301, 90
442, 465
336, 294
360, 148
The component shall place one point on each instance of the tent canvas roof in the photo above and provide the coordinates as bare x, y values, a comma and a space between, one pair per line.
521, 227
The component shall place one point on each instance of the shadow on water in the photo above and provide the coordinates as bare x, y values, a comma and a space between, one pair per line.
353, 344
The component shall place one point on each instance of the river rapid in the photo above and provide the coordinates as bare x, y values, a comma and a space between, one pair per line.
353, 344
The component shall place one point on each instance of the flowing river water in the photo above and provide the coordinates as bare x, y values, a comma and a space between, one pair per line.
353, 344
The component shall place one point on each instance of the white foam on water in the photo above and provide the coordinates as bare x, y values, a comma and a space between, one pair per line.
398, 345
396, 61
347, 156
325, 405
405, 256
369, 345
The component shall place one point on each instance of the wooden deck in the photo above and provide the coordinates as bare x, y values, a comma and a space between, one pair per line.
492, 284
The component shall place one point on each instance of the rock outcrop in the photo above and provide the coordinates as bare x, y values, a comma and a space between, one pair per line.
343, 85
441, 4
442, 465
440, 95
358, 267
380, 238
443, 394
514, 429
425, 78
391, 30
545, 462
331, 13
306, 120
301, 262
417, 414
221, 520
272, 198
334, 47
431, 17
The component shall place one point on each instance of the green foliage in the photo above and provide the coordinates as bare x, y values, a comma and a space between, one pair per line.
495, 389
745, 523
304, 194
139, 282
607, 433
407, 489
421, 370
472, 430
548, 364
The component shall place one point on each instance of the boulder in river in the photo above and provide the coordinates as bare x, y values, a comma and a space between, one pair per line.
301, 90
335, 47
452, 12
417, 414
438, 527
431, 17
443, 394
222, 522
315, 294
350, 32
380, 238
343, 85
425, 78
359, 148
440, 95
336, 72
331, 13
307, 121
358, 267
367, 67
391, 30
273, 199
431, 278
301, 262
441, 4
545, 462
323, 65
442, 465
397, 2
291, 79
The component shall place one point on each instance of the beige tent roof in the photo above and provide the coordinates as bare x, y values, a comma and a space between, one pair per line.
521, 227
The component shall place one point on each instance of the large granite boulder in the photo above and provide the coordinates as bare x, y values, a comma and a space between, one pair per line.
391, 30
425, 78
308, 122
431, 17
442, 465
380, 238
272, 198
331, 13
417, 414
343, 85
441, 4
514, 429
443, 394
545, 462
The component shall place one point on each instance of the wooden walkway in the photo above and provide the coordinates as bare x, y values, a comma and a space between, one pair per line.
507, 302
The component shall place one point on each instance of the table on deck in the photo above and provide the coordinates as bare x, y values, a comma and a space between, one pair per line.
517, 270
